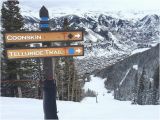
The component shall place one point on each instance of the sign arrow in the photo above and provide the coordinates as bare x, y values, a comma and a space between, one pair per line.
78, 51
77, 36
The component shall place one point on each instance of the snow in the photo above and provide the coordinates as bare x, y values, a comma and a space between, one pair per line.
155, 44
96, 84
135, 67
139, 50
151, 80
106, 109
91, 36
117, 42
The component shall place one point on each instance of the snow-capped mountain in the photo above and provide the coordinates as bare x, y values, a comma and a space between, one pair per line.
108, 38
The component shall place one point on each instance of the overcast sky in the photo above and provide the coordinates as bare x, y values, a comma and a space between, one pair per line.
95, 4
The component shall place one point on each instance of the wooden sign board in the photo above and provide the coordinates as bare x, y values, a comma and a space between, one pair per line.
45, 52
53, 36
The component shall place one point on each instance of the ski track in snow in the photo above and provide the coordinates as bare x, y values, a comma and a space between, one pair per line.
124, 77
106, 109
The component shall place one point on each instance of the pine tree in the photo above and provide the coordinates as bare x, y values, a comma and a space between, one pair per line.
156, 88
12, 21
68, 86
141, 88
134, 100
71, 74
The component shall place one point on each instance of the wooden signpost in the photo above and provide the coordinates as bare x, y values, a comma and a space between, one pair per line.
49, 92
51, 36
45, 52
45, 35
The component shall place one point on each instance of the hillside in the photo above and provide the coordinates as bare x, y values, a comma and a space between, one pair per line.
124, 77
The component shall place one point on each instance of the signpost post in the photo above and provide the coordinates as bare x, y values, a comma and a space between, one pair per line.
46, 37
49, 84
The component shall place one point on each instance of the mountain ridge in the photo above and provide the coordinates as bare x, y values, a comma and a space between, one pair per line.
107, 37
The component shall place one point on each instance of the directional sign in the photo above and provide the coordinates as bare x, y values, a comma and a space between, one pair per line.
45, 52
54, 36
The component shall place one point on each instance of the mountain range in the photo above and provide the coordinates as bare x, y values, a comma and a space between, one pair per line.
107, 38
114, 48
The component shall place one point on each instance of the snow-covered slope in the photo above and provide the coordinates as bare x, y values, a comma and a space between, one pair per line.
96, 84
106, 109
